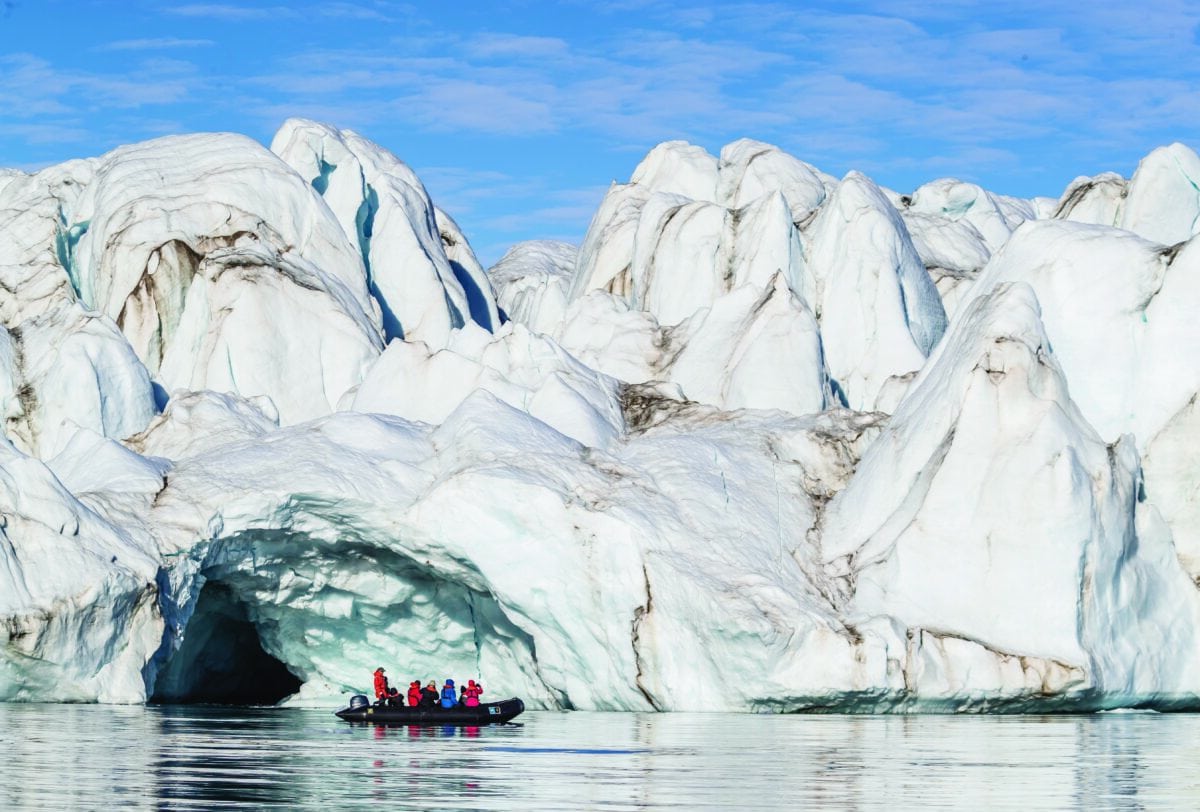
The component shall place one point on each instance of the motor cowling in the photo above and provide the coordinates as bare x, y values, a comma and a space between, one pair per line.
358, 701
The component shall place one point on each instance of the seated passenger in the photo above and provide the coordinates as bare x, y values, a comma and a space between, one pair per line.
429, 695
449, 696
472, 692
414, 693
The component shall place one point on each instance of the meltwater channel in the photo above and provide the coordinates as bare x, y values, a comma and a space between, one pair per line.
197, 757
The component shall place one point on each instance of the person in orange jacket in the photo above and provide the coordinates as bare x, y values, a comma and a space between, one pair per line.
414, 693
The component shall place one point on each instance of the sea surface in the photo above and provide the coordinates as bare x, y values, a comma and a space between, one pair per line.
192, 757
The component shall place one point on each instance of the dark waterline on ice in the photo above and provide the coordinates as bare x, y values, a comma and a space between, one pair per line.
198, 757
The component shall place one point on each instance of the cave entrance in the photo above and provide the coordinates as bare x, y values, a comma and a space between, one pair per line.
222, 660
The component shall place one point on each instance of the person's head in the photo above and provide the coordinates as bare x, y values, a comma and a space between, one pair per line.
449, 683
470, 683
379, 670
431, 684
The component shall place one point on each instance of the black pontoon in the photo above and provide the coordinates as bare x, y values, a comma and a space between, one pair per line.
486, 713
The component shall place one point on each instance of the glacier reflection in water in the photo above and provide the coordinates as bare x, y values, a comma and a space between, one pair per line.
191, 757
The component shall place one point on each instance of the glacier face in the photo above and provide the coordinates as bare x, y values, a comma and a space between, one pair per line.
766, 440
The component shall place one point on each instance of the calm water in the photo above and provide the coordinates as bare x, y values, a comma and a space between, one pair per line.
92, 757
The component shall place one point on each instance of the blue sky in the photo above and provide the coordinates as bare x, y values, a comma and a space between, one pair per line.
517, 115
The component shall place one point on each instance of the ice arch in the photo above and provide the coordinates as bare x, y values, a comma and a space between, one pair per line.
276, 609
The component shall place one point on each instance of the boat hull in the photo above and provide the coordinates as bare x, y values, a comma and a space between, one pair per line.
487, 713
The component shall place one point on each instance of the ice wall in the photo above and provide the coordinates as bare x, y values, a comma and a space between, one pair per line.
766, 440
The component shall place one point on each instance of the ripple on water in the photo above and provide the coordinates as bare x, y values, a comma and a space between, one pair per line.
190, 757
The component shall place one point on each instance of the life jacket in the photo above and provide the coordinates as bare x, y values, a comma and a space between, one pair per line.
473, 693
414, 694
381, 685
449, 697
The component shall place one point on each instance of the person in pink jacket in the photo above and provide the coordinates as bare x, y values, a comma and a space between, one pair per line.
472, 694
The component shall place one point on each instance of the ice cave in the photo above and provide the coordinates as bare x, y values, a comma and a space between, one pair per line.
221, 659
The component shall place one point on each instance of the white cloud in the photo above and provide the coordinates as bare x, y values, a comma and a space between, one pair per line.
468, 186
44, 134
898, 88
161, 43
638, 87
49, 103
456, 104
514, 46
378, 12
574, 207
223, 11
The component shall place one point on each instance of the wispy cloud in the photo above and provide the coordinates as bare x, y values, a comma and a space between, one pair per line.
44, 133
637, 87
347, 114
378, 12
223, 11
42, 104
515, 46
458, 104
836, 88
539, 100
506, 208
565, 206
468, 189
326, 72
159, 44
468, 186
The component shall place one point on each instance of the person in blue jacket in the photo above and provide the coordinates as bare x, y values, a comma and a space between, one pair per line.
449, 695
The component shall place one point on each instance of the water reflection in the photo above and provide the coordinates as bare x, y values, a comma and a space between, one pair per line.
189, 757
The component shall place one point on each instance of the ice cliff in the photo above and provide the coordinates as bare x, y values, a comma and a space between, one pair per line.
766, 440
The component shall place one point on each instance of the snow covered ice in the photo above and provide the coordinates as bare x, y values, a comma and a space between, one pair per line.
765, 440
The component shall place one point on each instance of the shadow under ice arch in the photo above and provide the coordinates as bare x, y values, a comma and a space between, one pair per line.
252, 617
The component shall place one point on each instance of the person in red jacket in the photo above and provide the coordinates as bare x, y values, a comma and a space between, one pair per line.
384, 693
472, 694
414, 693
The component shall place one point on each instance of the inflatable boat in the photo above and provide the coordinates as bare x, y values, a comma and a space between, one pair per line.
486, 713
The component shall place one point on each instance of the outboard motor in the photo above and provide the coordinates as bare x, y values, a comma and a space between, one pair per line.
358, 701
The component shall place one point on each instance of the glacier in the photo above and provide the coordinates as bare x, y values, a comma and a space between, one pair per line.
765, 440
